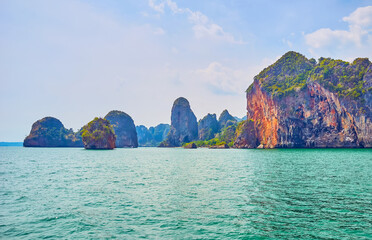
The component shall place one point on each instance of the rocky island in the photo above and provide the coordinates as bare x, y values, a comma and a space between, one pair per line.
98, 134
298, 102
184, 127
125, 130
50, 132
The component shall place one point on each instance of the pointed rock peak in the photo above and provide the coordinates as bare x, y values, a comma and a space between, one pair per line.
182, 102
224, 118
184, 127
225, 114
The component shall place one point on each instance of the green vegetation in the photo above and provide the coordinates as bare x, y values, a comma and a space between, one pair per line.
209, 143
96, 130
341, 77
286, 75
226, 136
293, 71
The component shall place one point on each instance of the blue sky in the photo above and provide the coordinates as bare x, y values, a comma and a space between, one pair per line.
76, 60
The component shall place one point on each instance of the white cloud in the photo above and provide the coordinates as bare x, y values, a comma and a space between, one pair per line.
157, 7
360, 17
223, 80
359, 22
203, 27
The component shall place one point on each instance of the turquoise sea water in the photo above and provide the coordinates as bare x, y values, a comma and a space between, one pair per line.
157, 193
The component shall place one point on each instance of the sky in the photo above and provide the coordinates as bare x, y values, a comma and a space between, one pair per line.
76, 60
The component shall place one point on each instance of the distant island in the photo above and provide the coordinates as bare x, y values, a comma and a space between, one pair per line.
294, 103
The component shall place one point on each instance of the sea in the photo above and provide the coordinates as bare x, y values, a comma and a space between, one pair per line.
175, 193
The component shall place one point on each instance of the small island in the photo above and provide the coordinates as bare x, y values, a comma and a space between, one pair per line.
98, 134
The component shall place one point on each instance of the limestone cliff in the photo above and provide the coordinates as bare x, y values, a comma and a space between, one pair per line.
153, 136
125, 130
224, 118
184, 127
297, 102
50, 132
208, 127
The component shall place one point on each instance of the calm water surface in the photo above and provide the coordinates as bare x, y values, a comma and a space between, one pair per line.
156, 193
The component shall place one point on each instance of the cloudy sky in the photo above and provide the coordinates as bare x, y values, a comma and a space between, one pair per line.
77, 59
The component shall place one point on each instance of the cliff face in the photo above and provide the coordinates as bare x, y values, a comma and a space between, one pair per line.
208, 127
224, 118
125, 130
153, 136
50, 132
298, 103
144, 136
98, 134
159, 132
245, 135
184, 127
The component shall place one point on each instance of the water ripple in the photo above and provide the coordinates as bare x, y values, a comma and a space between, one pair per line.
156, 193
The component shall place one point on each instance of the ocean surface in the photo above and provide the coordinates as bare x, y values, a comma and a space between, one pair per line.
157, 193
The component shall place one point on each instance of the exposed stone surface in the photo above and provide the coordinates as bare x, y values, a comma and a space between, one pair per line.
159, 133
298, 103
98, 134
190, 145
224, 118
208, 127
125, 130
246, 135
153, 136
50, 132
184, 127
144, 136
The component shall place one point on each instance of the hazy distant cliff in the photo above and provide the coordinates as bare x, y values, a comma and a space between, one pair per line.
297, 102
153, 136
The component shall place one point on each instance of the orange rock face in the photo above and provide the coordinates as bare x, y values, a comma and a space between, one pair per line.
299, 102
264, 112
312, 117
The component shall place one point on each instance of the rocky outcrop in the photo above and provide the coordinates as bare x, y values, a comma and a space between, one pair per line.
50, 132
144, 136
245, 135
184, 127
208, 127
159, 133
224, 118
153, 136
125, 130
190, 146
297, 102
98, 134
